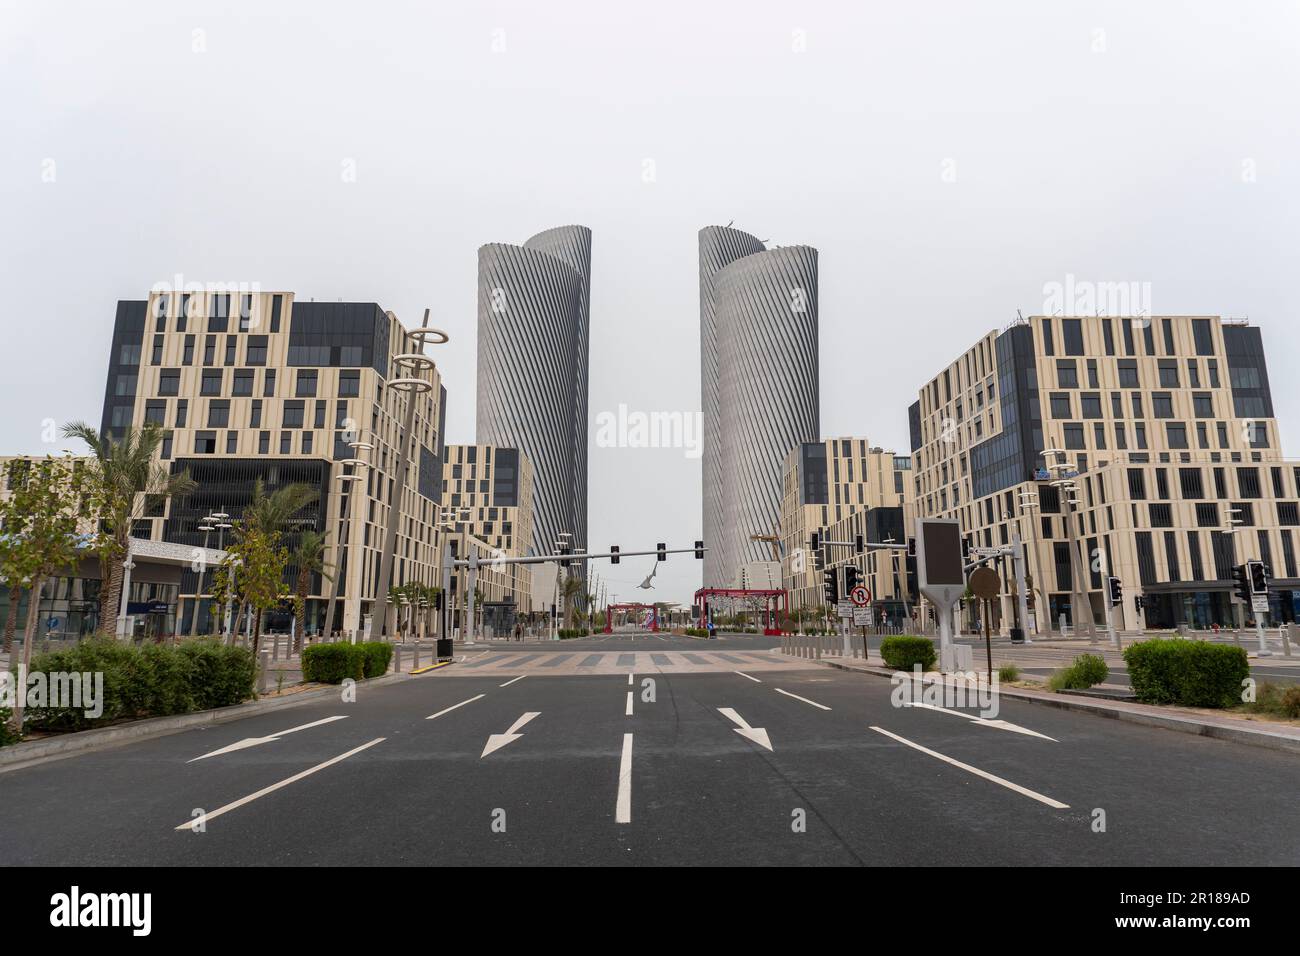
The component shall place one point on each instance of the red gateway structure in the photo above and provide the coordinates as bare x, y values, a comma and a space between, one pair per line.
610, 609
774, 604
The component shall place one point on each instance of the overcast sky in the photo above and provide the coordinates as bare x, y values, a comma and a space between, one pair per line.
947, 159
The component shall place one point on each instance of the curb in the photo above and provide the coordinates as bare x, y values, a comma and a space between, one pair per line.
1186, 724
19, 756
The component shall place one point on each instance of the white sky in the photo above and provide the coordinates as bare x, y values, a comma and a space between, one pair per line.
1115, 156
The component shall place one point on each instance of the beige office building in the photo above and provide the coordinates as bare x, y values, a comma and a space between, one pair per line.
488, 496
825, 483
1144, 448
256, 385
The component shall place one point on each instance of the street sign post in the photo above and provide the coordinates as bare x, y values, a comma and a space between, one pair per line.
986, 585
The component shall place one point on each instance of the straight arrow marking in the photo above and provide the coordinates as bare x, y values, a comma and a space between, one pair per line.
757, 734
254, 741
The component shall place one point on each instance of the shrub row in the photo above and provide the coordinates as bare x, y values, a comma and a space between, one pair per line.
1086, 671
1276, 700
150, 680
565, 633
334, 663
695, 631
1186, 672
903, 651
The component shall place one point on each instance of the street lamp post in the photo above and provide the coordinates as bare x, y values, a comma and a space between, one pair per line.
206, 527
412, 366
347, 480
1028, 505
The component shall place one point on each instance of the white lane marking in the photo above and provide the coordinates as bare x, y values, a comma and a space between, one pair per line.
623, 808
497, 741
983, 721
628, 712
254, 741
757, 734
797, 697
191, 824
454, 706
743, 674
629, 678
512, 680
1024, 791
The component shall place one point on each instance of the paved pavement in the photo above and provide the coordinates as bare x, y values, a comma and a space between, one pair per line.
657, 767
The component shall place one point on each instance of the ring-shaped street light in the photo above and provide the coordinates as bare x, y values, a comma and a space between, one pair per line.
429, 336
412, 385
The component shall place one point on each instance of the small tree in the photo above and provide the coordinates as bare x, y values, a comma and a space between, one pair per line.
309, 557
39, 523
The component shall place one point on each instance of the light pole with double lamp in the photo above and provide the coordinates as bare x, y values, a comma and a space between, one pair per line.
347, 481
412, 366
1028, 507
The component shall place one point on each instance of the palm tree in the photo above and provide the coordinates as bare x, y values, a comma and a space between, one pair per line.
571, 588
309, 558
271, 514
124, 475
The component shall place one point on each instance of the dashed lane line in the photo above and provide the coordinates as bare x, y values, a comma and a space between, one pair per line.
454, 706
747, 677
623, 807
804, 699
512, 680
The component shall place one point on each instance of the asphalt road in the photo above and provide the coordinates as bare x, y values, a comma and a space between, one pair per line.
582, 782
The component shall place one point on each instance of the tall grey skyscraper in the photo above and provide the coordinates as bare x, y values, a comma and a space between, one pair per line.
533, 303
759, 385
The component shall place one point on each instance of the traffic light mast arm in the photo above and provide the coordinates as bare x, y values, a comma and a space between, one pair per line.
552, 558
869, 544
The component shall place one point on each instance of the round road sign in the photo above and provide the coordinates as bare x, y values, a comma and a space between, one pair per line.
860, 596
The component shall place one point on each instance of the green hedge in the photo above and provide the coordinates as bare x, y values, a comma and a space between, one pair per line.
1087, 671
335, 663
696, 631
567, 633
150, 680
902, 652
1186, 672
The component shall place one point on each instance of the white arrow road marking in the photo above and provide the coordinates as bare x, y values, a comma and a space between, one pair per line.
628, 712
254, 741
191, 824
623, 808
497, 741
757, 734
977, 771
797, 697
984, 721
512, 680
453, 707
743, 674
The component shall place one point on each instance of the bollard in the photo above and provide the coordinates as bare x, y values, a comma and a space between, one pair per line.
397, 658
262, 671
415, 666
275, 648
1286, 640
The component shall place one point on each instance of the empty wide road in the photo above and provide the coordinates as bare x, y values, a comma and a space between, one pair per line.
517, 762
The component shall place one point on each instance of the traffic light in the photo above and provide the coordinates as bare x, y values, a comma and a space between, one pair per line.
815, 542
1115, 588
1241, 583
699, 550
1259, 577
859, 543
911, 547
831, 580
1138, 602
965, 551
613, 554
818, 564
850, 578
437, 600
567, 549
663, 551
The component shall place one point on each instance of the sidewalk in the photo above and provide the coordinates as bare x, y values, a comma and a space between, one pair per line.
1259, 733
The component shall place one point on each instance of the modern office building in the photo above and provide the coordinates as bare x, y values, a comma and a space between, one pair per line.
488, 496
533, 318
1143, 447
824, 484
759, 388
261, 386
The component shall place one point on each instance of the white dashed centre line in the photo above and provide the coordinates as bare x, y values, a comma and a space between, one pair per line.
629, 704
512, 680
453, 707
623, 808
804, 699
747, 677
